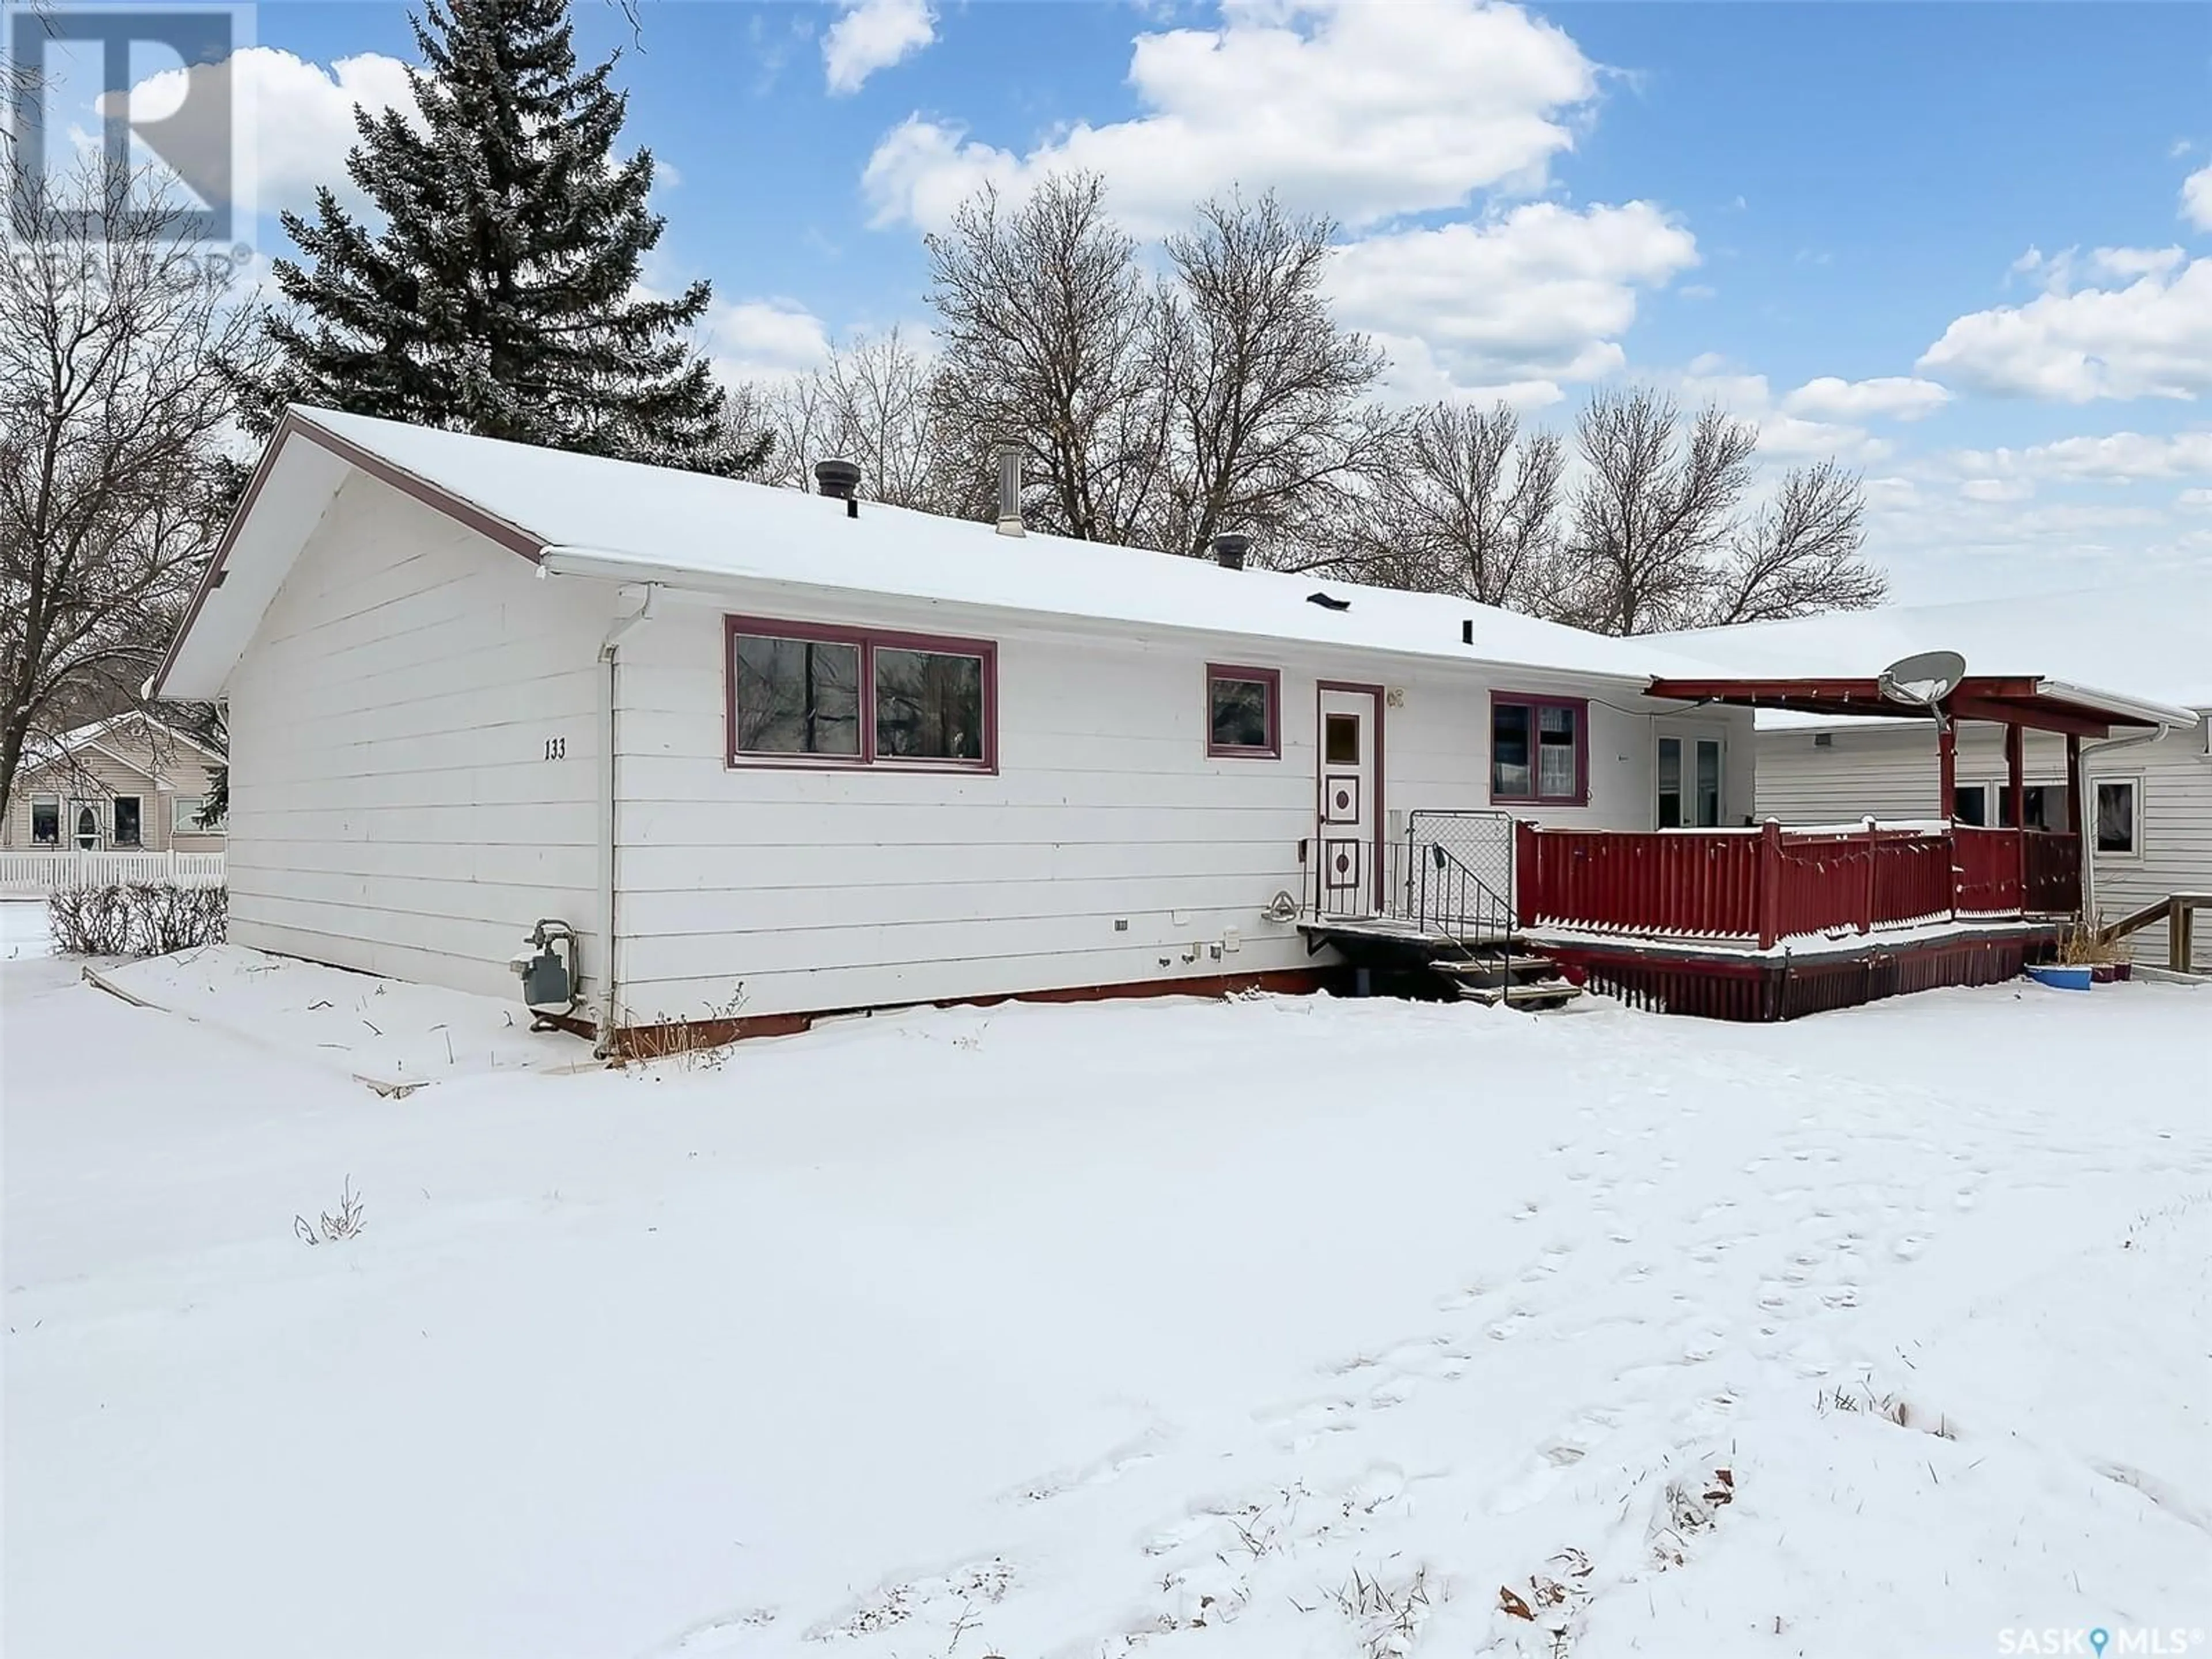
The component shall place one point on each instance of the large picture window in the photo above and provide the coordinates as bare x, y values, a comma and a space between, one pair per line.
1244, 716
46, 821
805, 694
1539, 749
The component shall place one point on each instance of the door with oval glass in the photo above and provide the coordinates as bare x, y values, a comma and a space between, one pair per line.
88, 827
1687, 774
1348, 758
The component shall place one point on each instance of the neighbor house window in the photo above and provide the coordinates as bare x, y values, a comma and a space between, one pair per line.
1243, 712
803, 693
1539, 749
46, 821
185, 815
2116, 807
129, 824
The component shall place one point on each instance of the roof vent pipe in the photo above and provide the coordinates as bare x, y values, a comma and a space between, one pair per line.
841, 479
1010, 490
1229, 548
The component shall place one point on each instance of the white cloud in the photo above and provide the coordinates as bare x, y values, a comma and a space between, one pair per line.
2196, 199
2114, 457
872, 36
1358, 110
765, 340
1512, 306
1892, 397
297, 119
2152, 337
1784, 435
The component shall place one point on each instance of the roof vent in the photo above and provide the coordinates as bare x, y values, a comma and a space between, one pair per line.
1229, 548
1328, 602
843, 480
1010, 490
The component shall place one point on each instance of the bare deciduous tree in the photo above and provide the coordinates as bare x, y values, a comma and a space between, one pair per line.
1266, 425
1652, 512
1050, 339
1801, 553
1657, 541
871, 402
1466, 502
111, 416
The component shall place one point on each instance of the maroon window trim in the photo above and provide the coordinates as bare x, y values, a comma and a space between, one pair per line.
1535, 703
869, 640
1273, 679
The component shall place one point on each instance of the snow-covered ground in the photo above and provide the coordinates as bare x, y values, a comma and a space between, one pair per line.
1277, 1328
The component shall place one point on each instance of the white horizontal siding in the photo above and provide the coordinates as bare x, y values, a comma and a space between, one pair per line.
1890, 772
391, 808
1107, 847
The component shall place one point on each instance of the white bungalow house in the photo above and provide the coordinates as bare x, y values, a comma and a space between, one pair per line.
771, 755
2146, 794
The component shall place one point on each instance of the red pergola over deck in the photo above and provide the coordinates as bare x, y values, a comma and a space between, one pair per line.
2020, 703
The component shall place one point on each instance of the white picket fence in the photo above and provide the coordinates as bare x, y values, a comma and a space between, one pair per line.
29, 875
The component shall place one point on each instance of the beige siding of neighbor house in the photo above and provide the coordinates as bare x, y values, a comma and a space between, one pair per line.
1890, 772
413, 739
128, 762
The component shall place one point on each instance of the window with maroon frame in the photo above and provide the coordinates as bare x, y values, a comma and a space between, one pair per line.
802, 693
1539, 749
1243, 711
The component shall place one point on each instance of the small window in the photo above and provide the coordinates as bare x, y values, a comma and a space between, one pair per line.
1670, 783
836, 696
46, 821
1243, 716
1537, 751
1970, 805
1708, 782
1339, 739
129, 821
2116, 816
185, 815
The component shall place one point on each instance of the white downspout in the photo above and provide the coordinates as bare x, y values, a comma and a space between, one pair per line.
610, 652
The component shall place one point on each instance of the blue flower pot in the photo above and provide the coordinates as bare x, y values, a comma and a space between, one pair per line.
2061, 978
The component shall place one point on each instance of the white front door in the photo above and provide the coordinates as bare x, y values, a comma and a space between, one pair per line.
87, 830
1349, 763
1687, 775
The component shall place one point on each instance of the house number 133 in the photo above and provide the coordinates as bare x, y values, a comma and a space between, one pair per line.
556, 748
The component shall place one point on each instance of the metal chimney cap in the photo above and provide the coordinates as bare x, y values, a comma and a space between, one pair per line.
1230, 547
838, 479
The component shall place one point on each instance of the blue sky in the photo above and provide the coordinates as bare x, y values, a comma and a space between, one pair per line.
1966, 247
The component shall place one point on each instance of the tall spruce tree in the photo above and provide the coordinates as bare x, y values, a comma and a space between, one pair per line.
499, 295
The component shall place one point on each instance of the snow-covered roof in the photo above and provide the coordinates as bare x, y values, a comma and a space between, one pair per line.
46, 750
2147, 639
588, 515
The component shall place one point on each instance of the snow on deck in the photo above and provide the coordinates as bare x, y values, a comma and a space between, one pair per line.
1271, 1327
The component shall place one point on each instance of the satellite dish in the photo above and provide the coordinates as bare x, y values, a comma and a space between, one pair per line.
1924, 681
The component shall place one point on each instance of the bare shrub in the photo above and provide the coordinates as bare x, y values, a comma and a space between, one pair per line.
136, 919
1386, 1616
695, 1043
332, 1229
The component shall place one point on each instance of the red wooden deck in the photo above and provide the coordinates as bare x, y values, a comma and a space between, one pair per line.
1761, 887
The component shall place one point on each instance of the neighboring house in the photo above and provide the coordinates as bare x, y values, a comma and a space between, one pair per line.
2147, 796
128, 783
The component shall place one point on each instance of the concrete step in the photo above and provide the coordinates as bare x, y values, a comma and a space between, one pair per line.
1491, 965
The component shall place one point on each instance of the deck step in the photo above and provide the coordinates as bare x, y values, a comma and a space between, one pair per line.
1491, 965
1533, 992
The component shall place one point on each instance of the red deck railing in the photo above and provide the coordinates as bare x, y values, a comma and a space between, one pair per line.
1773, 884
